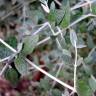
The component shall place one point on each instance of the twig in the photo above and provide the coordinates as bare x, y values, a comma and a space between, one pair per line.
4, 68
75, 68
82, 5
58, 71
58, 2
9, 13
17, 6
43, 41
44, 25
58, 43
41, 66
90, 4
24, 14
80, 19
4, 59
49, 75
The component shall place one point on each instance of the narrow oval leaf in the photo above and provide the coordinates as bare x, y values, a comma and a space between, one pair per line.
12, 76
66, 52
52, 7
12, 41
66, 14
92, 83
93, 7
30, 43
83, 88
4, 51
73, 37
21, 65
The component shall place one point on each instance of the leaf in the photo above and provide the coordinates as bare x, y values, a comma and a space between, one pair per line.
90, 41
91, 59
19, 47
56, 92
87, 69
79, 61
30, 43
66, 52
52, 15
83, 88
88, 60
52, 7
66, 17
12, 76
21, 65
92, 83
93, 7
73, 37
4, 51
12, 41
44, 84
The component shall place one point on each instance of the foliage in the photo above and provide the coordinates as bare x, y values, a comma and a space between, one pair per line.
58, 36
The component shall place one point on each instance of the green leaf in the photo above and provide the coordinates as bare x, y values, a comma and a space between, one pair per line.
44, 84
21, 65
87, 69
12, 41
66, 16
30, 43
88, 60
83, 88
92, 83
93, 7
4, 51
90, 41
56, 92
52, 16
12, 76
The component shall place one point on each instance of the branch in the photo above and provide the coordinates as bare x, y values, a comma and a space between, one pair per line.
80, 19
75, 67
49, 75
4, 68
58, 71
2, 60
58, 2
82, 5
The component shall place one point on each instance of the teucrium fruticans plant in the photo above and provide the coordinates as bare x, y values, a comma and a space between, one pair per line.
63, 31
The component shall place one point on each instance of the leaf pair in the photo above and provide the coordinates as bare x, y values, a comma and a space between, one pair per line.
30, 43
61, 16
